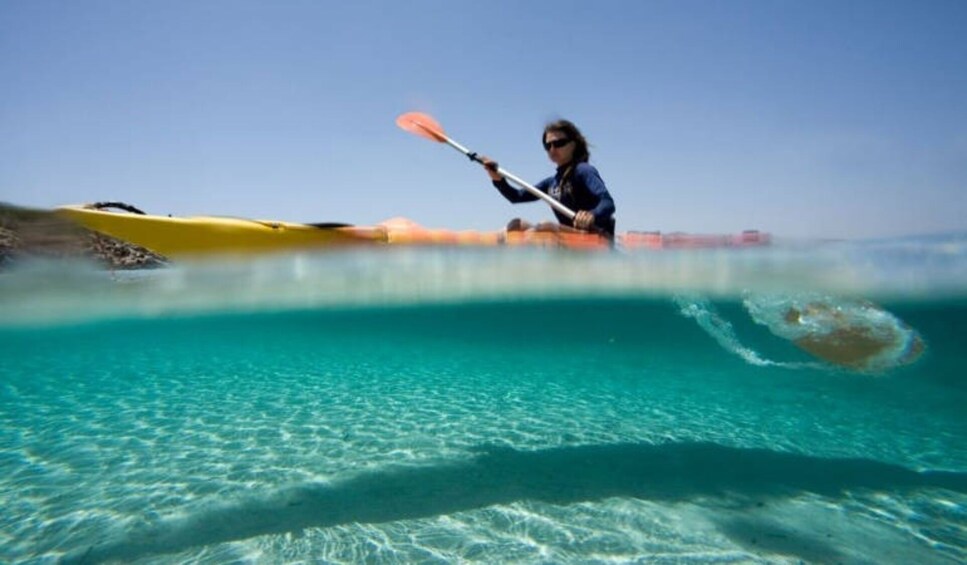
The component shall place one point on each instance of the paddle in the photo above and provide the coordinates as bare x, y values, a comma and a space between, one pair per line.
424, 125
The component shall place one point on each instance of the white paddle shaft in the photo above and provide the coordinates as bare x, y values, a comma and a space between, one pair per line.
517, 180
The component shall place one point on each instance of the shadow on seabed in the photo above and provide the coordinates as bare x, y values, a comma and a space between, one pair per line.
674, 472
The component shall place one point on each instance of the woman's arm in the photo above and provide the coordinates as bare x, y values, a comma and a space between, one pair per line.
517, 195
592, 179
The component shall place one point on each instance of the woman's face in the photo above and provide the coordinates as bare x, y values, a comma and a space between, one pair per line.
560, 149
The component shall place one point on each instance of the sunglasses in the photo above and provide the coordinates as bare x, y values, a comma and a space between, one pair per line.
557, 143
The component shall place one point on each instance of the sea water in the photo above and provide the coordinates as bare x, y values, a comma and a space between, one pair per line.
462, 405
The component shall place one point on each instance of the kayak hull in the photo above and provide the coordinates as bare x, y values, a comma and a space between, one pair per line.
177, 238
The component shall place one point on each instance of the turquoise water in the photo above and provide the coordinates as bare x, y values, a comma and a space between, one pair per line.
454, 405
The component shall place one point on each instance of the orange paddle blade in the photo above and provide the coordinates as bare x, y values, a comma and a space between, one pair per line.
422, 125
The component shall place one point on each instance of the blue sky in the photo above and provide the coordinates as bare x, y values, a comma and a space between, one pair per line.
840, 119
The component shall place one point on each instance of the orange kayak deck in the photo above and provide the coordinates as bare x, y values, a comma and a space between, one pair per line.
401, 231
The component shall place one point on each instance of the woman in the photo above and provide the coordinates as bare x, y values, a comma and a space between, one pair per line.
576, 184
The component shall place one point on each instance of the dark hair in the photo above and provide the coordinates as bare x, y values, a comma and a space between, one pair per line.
571, 131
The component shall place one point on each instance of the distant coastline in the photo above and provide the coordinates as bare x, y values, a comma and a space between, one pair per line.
29, 233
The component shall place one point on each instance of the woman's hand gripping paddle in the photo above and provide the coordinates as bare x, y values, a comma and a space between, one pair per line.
424, 125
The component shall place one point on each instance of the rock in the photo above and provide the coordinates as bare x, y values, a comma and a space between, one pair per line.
28, 233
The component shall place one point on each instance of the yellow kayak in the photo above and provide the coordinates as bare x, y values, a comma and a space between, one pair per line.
201, 235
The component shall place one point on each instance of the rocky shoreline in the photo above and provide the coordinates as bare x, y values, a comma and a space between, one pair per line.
27, 234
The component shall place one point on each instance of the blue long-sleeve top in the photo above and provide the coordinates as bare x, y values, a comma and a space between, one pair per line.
583, 189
